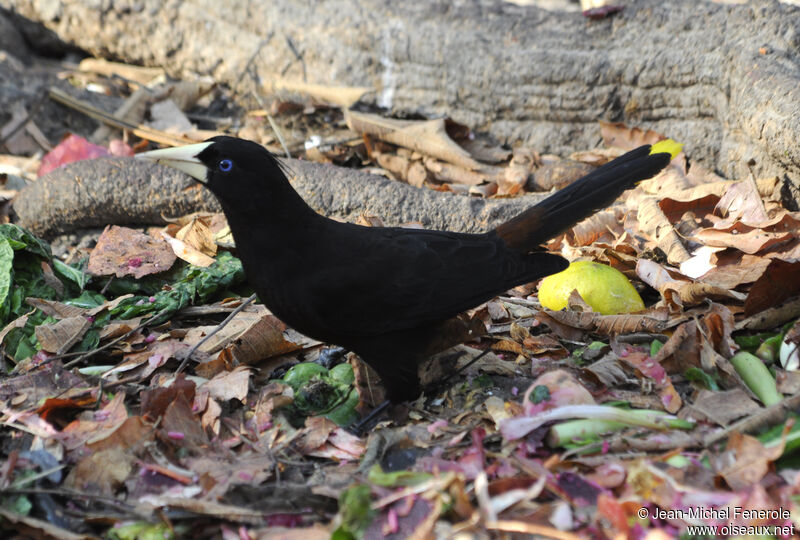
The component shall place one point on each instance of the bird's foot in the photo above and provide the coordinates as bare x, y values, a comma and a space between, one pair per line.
370, 421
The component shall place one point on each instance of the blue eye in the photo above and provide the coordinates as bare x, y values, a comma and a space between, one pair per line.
225, 165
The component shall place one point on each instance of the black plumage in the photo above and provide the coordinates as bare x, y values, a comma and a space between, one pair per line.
389, 294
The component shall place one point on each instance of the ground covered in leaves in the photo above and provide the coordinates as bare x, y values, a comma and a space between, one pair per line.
130, 411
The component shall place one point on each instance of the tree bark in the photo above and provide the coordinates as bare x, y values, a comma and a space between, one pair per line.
723, 79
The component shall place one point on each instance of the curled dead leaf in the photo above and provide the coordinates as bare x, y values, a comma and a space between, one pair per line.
428, 136
677, 290
654, 223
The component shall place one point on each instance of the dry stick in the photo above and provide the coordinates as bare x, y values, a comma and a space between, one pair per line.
100, 115
111, 343
219, 327
30, 114
273, 125
74, 494
771, 415
252, 59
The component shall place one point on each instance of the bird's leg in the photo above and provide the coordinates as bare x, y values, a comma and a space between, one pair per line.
367, 423
434, 387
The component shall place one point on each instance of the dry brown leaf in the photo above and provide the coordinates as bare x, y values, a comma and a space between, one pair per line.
341, 96
368, 220
745, 461
651, 369
186, 252
603, 224
108, 305
55, 309
742, 202
677, 290
515, 176
675, 208
610, 325
609, 371
395, 164
59, 337
253, 334
210, 419
699, 343
19, 322
507, 345
484, 190
653, 222
102, 472
742, 237
180, 426
562, 330
199, 236
747, 269
446, 172
484, 151
717, 189
596, 157
497, 312
428, 137
150, 359
95, 425
723, 407
780, 281
131, 434
125, 252
666, 183
229, 385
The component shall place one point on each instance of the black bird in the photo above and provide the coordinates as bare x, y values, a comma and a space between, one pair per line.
391, 295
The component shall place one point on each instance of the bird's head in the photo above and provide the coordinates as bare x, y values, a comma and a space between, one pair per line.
229, 167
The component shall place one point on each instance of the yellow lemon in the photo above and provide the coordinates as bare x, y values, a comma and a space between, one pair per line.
604, 288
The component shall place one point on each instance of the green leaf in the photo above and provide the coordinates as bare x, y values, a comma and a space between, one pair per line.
142, 531
697, 375
76, 275
87, 300
655, 346
192, 284
6, 273
356, 512
378, 477
21, 238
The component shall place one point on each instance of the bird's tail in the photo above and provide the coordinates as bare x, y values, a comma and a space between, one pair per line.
586, 196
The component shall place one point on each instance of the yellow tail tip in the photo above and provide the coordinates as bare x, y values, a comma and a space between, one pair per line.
667, 146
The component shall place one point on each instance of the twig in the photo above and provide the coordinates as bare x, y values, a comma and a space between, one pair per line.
771, 415
100, 115
24, 121
274, 125
279, 135
73, 494
252, 59
297, 55
101, 387
219, 327
111, 343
